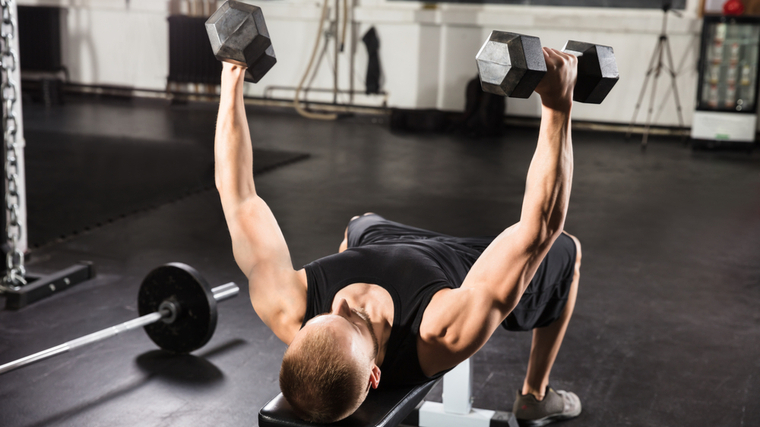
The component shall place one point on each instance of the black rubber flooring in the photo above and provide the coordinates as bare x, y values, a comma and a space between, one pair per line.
115, 176
667, 321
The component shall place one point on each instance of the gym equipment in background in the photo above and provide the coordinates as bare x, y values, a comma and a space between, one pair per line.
177, 308
726, 111
663, 44
19, 287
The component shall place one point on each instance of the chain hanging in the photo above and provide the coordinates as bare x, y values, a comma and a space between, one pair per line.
15, 275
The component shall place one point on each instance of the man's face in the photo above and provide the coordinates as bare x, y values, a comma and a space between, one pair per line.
352, 326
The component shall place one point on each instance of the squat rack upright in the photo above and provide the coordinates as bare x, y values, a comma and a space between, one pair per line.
19, 287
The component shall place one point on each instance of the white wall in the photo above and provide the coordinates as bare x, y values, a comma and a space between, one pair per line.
427, 54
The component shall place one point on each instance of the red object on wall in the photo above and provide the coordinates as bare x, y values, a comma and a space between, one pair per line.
733, 7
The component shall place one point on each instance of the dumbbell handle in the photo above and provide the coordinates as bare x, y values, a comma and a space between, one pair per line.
221, 293
573, 52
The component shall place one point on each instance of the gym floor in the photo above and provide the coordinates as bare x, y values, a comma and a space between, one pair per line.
665, 328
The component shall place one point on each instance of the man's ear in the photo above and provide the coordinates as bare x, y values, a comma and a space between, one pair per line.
374, 377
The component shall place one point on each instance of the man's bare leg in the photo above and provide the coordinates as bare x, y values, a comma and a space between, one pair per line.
547, 340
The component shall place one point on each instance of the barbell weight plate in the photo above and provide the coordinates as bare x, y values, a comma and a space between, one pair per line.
196, 319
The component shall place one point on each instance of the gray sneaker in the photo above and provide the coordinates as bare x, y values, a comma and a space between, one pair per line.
556, 406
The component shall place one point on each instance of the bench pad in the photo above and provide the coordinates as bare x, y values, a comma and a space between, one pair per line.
383, 407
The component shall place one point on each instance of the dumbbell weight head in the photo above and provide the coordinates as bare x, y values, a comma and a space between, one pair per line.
260, 67
194, 307
597, 71
239, 35
510, 64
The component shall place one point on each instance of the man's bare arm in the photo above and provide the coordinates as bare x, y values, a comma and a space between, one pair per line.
509, 263
463, 319
277, 291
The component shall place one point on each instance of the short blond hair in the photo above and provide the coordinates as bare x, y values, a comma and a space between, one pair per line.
321, 383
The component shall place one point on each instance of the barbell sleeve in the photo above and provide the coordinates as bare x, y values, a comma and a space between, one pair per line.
225, 291
220, 293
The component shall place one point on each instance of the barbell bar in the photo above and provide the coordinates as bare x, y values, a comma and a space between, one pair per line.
178, 311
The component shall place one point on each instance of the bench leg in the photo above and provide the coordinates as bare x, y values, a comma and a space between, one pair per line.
456, 409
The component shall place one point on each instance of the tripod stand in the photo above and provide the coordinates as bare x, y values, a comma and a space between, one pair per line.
662, 46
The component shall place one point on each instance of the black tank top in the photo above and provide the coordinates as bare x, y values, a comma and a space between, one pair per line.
412, 264
412, 271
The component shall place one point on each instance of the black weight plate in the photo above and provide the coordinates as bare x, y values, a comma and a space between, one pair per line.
196, 320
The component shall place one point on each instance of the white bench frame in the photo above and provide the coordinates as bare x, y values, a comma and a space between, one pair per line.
456, 409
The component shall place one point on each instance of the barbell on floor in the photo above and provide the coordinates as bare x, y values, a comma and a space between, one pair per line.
177, 308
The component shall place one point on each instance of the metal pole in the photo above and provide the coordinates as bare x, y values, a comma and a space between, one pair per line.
662, 44
645, 138
221, 293
337, 51
13, 135
87, 339
20, 141
352, 46
225, 292
673, 82
643, 89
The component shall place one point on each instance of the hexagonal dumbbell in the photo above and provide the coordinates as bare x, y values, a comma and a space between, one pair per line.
239, 35
597, 71
511, 64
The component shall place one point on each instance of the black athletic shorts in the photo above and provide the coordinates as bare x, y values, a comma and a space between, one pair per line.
543, 301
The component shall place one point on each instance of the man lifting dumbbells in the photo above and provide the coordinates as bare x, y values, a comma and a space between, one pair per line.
402, 305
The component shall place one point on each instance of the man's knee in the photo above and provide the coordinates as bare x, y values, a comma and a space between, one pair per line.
344, 243
359, 216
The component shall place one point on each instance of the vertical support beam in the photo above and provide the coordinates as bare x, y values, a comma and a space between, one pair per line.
353, 27
336, 47
34, 288
20, 141
14, 197
457, 389
456, 409
443, 53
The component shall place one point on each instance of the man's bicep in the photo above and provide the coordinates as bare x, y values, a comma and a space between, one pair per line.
256, 237
492, 289
456, 324
279, 299
479, 316
277, 291
508, 264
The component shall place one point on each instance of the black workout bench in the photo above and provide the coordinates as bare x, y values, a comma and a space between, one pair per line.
386, 408
394, 406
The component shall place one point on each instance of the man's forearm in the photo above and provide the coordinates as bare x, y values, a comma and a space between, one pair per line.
233, 153
547, 191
